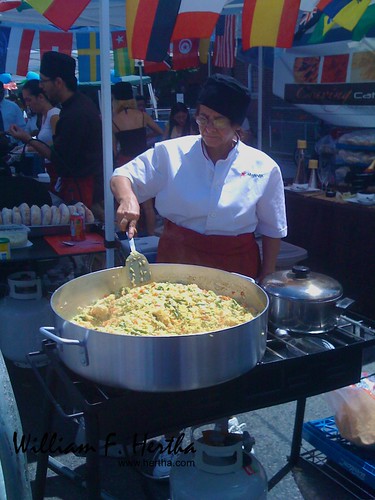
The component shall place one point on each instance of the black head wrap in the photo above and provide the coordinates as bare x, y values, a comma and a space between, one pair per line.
122, 91
227, 96
55, 64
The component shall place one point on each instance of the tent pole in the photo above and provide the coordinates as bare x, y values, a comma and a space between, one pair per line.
209, 59
106, 112
260, 97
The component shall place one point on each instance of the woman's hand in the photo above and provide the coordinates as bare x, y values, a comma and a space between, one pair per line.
19, 133
128, 210
128, 215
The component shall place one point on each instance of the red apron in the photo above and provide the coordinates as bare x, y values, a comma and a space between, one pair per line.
75, 189
238, 254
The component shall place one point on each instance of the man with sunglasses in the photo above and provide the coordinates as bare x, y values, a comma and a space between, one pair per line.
76, 151
213, 191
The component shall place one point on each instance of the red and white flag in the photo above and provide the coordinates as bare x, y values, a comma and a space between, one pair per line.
58, 42
18, 53
185, 53
197, 18
225, 42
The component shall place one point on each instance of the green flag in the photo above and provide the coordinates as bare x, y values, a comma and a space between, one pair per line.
123, 65
366, 22
321, 29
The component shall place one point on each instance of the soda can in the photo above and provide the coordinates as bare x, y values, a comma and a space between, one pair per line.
77, 227
4, 249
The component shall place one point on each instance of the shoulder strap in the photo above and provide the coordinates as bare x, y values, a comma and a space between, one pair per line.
116, 126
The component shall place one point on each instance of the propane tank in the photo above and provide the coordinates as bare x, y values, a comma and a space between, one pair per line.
218, 471
22, 313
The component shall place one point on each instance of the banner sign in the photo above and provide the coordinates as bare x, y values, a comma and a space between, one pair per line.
360, 94
334, 82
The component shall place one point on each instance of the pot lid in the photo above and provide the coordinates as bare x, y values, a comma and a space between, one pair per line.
299, 283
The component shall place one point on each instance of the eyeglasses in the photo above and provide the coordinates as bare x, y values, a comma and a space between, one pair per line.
218, 123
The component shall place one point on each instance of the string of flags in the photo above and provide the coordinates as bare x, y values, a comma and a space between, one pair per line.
16, 45
177, 34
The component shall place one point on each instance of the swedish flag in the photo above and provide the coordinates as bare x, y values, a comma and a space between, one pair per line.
88, 49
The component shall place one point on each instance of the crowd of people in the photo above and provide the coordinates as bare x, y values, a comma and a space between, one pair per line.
76, 151
211, 190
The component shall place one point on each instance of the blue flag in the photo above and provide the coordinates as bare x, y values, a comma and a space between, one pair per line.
88, 49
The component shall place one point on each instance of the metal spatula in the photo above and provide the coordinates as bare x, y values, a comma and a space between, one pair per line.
137, 266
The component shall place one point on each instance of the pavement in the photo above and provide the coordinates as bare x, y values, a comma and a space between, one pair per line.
271, 427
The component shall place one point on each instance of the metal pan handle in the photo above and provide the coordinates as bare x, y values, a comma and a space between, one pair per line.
82, 344
47, 332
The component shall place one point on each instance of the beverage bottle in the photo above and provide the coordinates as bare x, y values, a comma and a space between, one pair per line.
313, 180
300, 177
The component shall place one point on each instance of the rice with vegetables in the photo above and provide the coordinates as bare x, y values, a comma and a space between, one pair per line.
162, 309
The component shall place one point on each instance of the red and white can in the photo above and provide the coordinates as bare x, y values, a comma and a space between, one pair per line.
77, 227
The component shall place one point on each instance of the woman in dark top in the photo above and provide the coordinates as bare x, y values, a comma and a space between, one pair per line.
129, 129
179, 122
129, 125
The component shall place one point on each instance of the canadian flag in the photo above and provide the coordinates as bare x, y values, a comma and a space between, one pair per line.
59, 42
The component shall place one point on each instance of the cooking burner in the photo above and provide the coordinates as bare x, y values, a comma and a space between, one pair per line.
287, 372
283, 344
309, 345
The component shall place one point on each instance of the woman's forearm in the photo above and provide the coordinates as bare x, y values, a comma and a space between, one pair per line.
270, 251
121, 188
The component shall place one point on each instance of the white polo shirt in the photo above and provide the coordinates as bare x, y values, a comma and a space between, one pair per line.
240, 194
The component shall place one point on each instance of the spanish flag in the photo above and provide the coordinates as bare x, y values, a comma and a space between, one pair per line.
269, 23
149, 27
61, 13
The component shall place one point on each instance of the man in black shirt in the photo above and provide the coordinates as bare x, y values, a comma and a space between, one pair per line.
76, 152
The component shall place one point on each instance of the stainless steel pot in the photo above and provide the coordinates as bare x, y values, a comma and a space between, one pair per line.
168, 363
302, 301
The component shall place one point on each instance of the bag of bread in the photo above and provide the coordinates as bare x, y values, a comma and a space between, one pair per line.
354, 408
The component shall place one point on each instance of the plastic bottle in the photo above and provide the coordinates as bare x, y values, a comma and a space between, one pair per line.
313, 178
300, 177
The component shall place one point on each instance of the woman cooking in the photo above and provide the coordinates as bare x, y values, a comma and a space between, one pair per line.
213, 190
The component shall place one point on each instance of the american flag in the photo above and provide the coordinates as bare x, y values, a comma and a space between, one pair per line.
225, 42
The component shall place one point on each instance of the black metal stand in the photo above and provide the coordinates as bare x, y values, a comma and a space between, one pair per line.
295, 449
128, 412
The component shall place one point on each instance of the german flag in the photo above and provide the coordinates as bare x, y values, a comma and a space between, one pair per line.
149, 26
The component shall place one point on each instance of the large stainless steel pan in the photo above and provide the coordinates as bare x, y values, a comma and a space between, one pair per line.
168, 363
